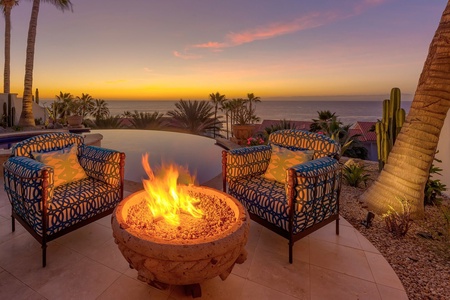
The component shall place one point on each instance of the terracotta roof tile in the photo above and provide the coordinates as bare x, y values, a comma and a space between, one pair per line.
363, 129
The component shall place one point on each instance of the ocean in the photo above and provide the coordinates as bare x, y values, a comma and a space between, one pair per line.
347, 111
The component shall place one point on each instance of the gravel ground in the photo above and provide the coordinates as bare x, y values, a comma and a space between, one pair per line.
421, 259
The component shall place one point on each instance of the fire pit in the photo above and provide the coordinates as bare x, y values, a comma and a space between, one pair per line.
182, 249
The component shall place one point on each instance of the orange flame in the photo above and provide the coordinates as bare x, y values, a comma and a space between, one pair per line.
165, 198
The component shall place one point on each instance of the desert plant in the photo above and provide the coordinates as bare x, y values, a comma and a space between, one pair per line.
196, 117
282, 124
329, 125
389, 127
434, 187
146, 120
38, 121
107, 123
127, 114
324, 115
398, 222
100, 110
86, 105
241, 113
355, 174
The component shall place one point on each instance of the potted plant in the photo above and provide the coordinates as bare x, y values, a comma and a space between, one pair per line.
66, 110
74, 117
243, 119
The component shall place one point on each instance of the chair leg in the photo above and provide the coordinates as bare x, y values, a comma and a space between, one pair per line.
337, 226
44, 254
291, 245
13, 223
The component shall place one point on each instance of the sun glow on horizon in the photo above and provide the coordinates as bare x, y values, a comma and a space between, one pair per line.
298, 49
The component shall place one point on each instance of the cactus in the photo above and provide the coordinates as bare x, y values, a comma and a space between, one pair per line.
390, 125
4, 115
9, 114
13, 116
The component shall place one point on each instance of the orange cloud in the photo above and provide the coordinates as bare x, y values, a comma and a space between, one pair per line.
269, 31
185, 55
210, 45
277, 29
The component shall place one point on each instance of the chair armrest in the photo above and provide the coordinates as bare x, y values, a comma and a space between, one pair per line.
316, 167
23, 182
248, 161
25, 167
315, 182
103, 164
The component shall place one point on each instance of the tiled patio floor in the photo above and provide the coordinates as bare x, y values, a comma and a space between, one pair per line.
86, 264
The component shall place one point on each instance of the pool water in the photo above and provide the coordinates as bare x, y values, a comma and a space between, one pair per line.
199, 154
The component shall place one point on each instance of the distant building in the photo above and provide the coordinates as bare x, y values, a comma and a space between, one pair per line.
39, 112
367, 138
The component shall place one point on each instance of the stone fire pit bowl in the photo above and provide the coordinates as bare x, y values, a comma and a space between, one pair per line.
182, 262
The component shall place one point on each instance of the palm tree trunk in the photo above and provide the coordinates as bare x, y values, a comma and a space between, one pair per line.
407, 169
228, 129
26, 117
7, 72
215, 119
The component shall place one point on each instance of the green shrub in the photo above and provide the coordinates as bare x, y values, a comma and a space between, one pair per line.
146, 120
107, 123
355, 174
38, 121
434, 187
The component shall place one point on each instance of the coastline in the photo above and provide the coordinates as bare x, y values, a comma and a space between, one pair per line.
347, 111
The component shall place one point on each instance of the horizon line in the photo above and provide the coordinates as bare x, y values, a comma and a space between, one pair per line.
372, 97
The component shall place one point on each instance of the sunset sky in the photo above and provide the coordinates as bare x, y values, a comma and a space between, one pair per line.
148, 49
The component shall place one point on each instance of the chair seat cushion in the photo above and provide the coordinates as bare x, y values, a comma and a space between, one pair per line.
80, 200
263, 197
267, 199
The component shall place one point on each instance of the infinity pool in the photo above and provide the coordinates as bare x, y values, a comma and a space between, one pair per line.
199, 154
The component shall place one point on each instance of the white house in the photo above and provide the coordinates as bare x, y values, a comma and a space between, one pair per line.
16, 103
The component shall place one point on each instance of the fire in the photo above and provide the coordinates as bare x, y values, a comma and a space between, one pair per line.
165, 198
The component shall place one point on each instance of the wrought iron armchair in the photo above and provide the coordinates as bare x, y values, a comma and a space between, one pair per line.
307, 201
48, 211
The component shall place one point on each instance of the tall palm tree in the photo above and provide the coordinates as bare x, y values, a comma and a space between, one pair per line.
217, 100
406, 172
100, 110
226, 107
86, 104
252, 99
7, 7
64, 103
26, 117
196, 117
